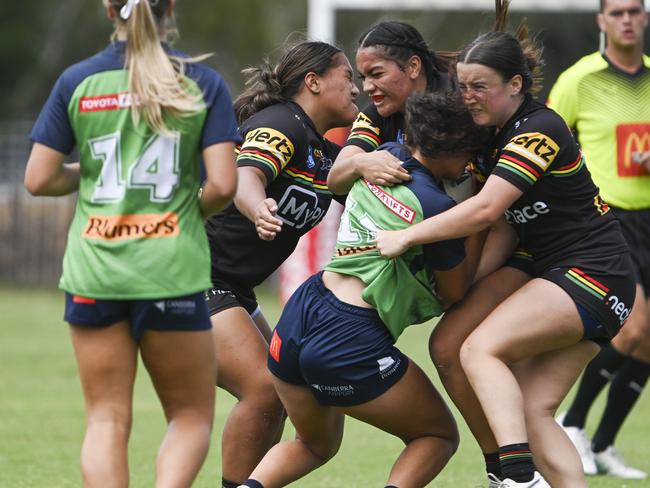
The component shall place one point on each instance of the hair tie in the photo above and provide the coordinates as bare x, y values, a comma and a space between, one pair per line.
125, 11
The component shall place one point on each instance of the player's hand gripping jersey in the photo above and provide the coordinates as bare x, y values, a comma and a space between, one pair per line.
282, 142
402, 290
137, 221
560, 215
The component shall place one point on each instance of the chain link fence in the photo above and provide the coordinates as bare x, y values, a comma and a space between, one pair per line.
33, 230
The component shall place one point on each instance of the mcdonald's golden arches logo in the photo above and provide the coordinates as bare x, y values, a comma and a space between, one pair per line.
631, 140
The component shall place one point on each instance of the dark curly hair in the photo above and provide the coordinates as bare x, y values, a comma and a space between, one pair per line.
439, 124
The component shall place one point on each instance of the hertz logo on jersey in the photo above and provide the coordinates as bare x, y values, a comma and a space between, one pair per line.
271, 140
632, 140
537, 148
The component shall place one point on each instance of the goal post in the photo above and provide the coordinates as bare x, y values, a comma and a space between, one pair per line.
321, 21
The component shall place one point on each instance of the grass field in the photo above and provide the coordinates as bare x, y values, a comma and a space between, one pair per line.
41, 414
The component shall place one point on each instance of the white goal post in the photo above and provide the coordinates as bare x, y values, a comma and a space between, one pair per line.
321, 22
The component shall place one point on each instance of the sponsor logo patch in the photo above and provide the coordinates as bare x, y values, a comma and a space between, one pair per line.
299, 207
113, 101
620, 309
135, 226
334, 390
537, 148
632, 140
275, 346
271, 140
83, 300
527, 213
404, 212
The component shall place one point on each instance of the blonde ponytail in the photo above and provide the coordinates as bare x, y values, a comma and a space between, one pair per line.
156, 80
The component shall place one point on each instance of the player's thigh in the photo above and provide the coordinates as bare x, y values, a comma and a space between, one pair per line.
524, 325
319, 426
107, 362
461, 319
411, 408
182, 368
241, 351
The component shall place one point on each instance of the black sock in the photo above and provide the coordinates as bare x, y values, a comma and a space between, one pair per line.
517, 462
597, 374
623, 394
229, 484
492, 465
251, 483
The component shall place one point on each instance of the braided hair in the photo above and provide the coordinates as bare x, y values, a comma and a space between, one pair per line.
400, 41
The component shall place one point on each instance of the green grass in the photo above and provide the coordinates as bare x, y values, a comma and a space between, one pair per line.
41, 413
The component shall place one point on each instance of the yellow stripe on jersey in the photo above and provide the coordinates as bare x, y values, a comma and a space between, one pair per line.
309, 179
271, 143
536, 147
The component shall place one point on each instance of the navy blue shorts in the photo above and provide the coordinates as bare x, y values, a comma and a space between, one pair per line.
344, 353
603, 290
185, 313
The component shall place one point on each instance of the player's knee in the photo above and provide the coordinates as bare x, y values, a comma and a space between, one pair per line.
324, 450
117, 420
445, 353
469, 355
628, 339
260, 395
539, 407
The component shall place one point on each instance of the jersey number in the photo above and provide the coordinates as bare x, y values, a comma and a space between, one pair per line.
347, 234
156, 168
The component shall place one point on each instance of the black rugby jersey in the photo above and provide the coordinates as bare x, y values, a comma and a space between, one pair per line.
370, 130
560, 216
280, 140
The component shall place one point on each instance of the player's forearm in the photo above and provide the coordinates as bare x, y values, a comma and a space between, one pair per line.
345, 171
214, 197
251, 190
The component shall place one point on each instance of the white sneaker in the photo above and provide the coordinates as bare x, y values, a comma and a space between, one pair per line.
583, 446
612, 463
493, 481
537, 482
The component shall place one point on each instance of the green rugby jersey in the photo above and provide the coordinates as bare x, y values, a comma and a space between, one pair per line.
137, 231
610, 111
400, 289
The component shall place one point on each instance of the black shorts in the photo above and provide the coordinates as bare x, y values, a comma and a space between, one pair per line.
224, 296
184, 313
636, 231
343, 353
603, 286
521, 260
